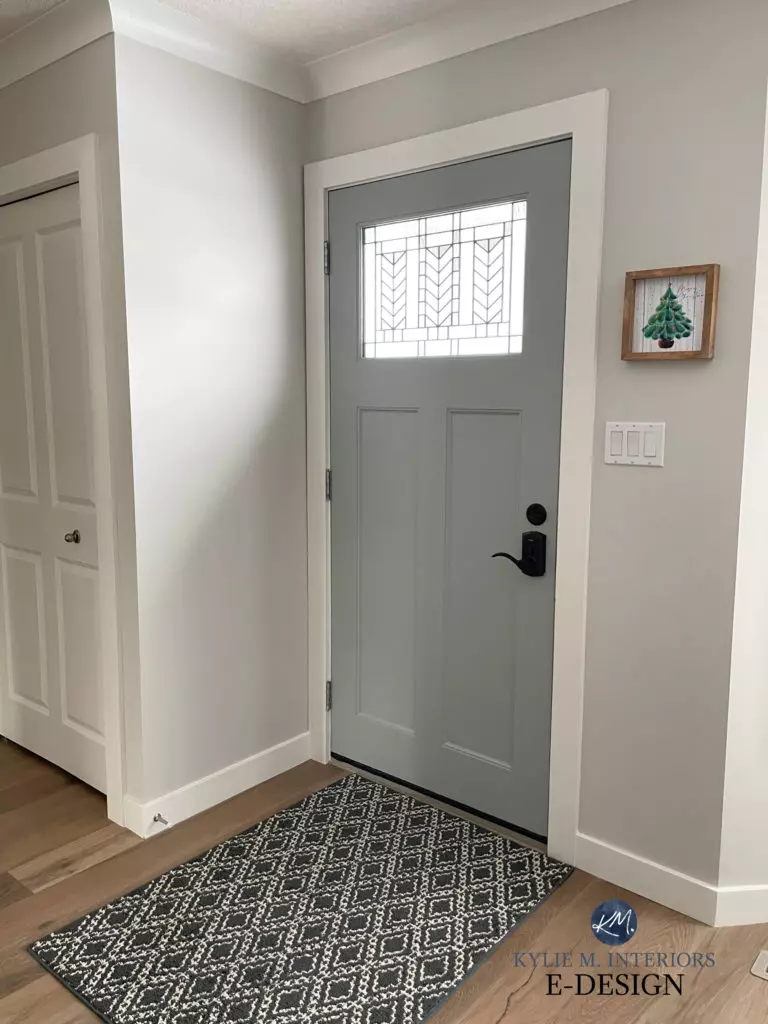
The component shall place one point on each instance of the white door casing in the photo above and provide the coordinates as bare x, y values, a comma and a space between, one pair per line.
584, 119
77, 162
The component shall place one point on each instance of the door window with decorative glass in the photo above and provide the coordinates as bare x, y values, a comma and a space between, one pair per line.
451, 284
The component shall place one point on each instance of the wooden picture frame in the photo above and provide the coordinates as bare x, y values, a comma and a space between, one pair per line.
694, 299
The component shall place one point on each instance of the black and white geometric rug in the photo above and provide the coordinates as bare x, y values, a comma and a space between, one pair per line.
358, 905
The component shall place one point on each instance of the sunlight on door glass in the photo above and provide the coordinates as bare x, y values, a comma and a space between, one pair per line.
446, 285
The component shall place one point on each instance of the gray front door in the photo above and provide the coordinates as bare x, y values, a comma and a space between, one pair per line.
446, 304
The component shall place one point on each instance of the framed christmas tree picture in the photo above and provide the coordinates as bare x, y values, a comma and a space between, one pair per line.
670, 313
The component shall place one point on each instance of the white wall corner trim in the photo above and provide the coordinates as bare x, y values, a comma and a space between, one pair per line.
745, 828
61, 31
471, 28
198, 796
584, 118
78, 161
233, 54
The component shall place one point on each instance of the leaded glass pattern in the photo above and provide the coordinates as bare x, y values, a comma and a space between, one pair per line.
451, 284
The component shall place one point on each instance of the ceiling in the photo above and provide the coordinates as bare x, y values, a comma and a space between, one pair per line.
302, 49
308, 29
15, 14
300, 29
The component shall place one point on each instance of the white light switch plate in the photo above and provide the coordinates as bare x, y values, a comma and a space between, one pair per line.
634, 444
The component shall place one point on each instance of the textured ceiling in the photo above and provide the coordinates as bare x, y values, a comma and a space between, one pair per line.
15, 14
307, 29
301, 29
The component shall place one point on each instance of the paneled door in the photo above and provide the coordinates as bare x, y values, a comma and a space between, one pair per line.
446, 313
50, 685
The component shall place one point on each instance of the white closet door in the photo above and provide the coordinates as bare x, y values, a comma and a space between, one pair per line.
50, 685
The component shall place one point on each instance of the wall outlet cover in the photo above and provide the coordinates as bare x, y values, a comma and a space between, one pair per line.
760, 966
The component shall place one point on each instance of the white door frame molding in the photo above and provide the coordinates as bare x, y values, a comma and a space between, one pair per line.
584, 119
77, 161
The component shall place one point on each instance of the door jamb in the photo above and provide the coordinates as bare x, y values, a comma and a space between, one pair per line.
584, 119
77, 162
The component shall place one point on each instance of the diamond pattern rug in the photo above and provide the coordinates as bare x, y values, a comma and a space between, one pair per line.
359, 905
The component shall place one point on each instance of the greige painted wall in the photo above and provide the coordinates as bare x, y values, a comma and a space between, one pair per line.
68, 99
687, 96
211, 172
63, 101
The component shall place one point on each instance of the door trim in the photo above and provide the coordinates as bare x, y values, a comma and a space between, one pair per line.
77, 162
584, 119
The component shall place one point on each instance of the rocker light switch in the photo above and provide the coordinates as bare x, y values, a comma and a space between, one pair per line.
634, 444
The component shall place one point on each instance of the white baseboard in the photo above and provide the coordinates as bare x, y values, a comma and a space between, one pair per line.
721, 906
213, 789
656, 882
742, 904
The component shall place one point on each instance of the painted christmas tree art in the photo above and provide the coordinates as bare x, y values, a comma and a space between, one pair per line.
669, 323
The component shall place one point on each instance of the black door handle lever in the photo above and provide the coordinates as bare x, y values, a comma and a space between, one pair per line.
534, 557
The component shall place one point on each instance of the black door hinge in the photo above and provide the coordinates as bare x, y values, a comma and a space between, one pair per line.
328, 697
328, 485
326, 258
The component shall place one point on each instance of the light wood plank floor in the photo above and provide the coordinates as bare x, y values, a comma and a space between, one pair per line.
60, 857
